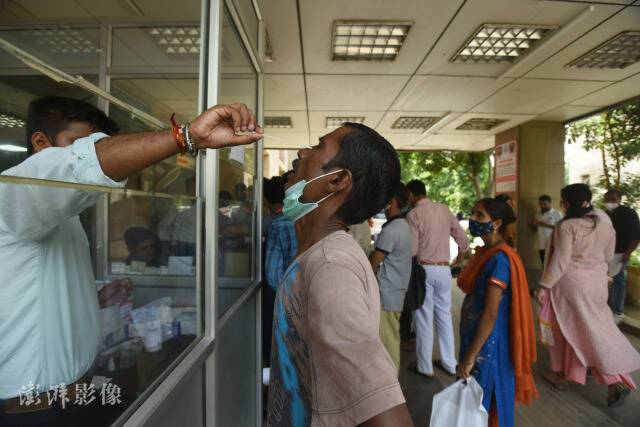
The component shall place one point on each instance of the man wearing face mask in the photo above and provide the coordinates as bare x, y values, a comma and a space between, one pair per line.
328, 365
544, 223
391, 261
49, 317
625, 222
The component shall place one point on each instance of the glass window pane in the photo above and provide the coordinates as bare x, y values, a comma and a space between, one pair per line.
119, 280
237, 262
249, 21
75, 49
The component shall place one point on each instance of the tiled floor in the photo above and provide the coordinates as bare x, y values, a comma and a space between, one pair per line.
578, 406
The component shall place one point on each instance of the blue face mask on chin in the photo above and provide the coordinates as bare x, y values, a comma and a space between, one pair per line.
293, 208
479, 229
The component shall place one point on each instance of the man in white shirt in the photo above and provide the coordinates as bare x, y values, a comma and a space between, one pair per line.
544, 223
49, 326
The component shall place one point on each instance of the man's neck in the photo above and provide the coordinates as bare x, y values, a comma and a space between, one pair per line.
311, 229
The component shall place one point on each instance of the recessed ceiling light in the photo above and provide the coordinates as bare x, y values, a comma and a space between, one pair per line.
617, 53
63, 40
7, 121
368, 40
278, 122
420, 123
336, 122
480, 123
493, 43
177, 40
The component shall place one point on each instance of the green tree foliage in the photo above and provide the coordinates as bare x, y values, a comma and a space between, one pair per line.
454, 178
615, 134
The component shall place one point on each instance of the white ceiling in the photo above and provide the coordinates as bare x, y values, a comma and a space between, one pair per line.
422, 80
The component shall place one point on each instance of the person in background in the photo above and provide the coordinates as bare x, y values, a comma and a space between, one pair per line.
431, 226
270, 210
391, 261
240, 193
573, 289
544, 223
143, 246
510, 234
280, 249
328, 366
282, 243
362, 234
49, 316
183, 232
627, 226
497, 336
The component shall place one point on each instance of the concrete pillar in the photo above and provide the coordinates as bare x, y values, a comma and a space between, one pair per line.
540, 171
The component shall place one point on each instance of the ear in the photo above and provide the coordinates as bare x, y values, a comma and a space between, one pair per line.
497, 224
340, 181
40, 141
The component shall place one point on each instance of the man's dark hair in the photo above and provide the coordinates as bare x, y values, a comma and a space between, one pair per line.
137, 235
53, 114
401, 195
497, 209
614, 192
375, 169
544, 198
274, 189
417, 188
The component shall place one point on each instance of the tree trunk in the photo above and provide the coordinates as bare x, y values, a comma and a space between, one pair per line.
605, 168
477, 188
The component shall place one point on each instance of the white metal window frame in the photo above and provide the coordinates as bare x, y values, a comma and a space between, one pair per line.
200, 354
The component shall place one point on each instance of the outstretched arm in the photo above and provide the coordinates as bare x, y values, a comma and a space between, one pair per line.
121, 156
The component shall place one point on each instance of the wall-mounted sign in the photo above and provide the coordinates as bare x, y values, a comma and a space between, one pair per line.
506, 167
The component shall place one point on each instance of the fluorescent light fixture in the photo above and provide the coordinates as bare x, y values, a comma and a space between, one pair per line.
7, 121
278, 122
480, 123
63, 40
177, 40
368, 40
336, 122
13, 148
421, 123
616, 53
495, 43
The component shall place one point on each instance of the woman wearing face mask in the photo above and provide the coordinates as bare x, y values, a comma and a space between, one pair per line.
497, 338
574, 290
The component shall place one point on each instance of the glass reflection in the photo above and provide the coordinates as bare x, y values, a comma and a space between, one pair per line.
237, 179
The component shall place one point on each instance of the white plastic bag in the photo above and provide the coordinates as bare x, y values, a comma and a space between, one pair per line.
459, 405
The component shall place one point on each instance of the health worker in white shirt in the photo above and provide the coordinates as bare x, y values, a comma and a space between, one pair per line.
49, 324
544, 223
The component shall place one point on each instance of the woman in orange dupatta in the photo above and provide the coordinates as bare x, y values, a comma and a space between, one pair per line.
497, 338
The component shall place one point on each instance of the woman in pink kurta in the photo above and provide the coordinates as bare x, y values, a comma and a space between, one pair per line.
574, 283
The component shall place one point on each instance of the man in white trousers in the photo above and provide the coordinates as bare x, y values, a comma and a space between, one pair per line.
431, 225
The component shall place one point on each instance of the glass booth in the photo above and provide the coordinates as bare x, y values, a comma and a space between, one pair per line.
174, 253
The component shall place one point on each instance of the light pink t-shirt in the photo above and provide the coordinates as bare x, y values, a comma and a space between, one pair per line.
328, 366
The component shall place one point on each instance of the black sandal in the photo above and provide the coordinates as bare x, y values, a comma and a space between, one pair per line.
621, 393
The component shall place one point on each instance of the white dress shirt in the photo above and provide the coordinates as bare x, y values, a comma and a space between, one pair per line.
49, 324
